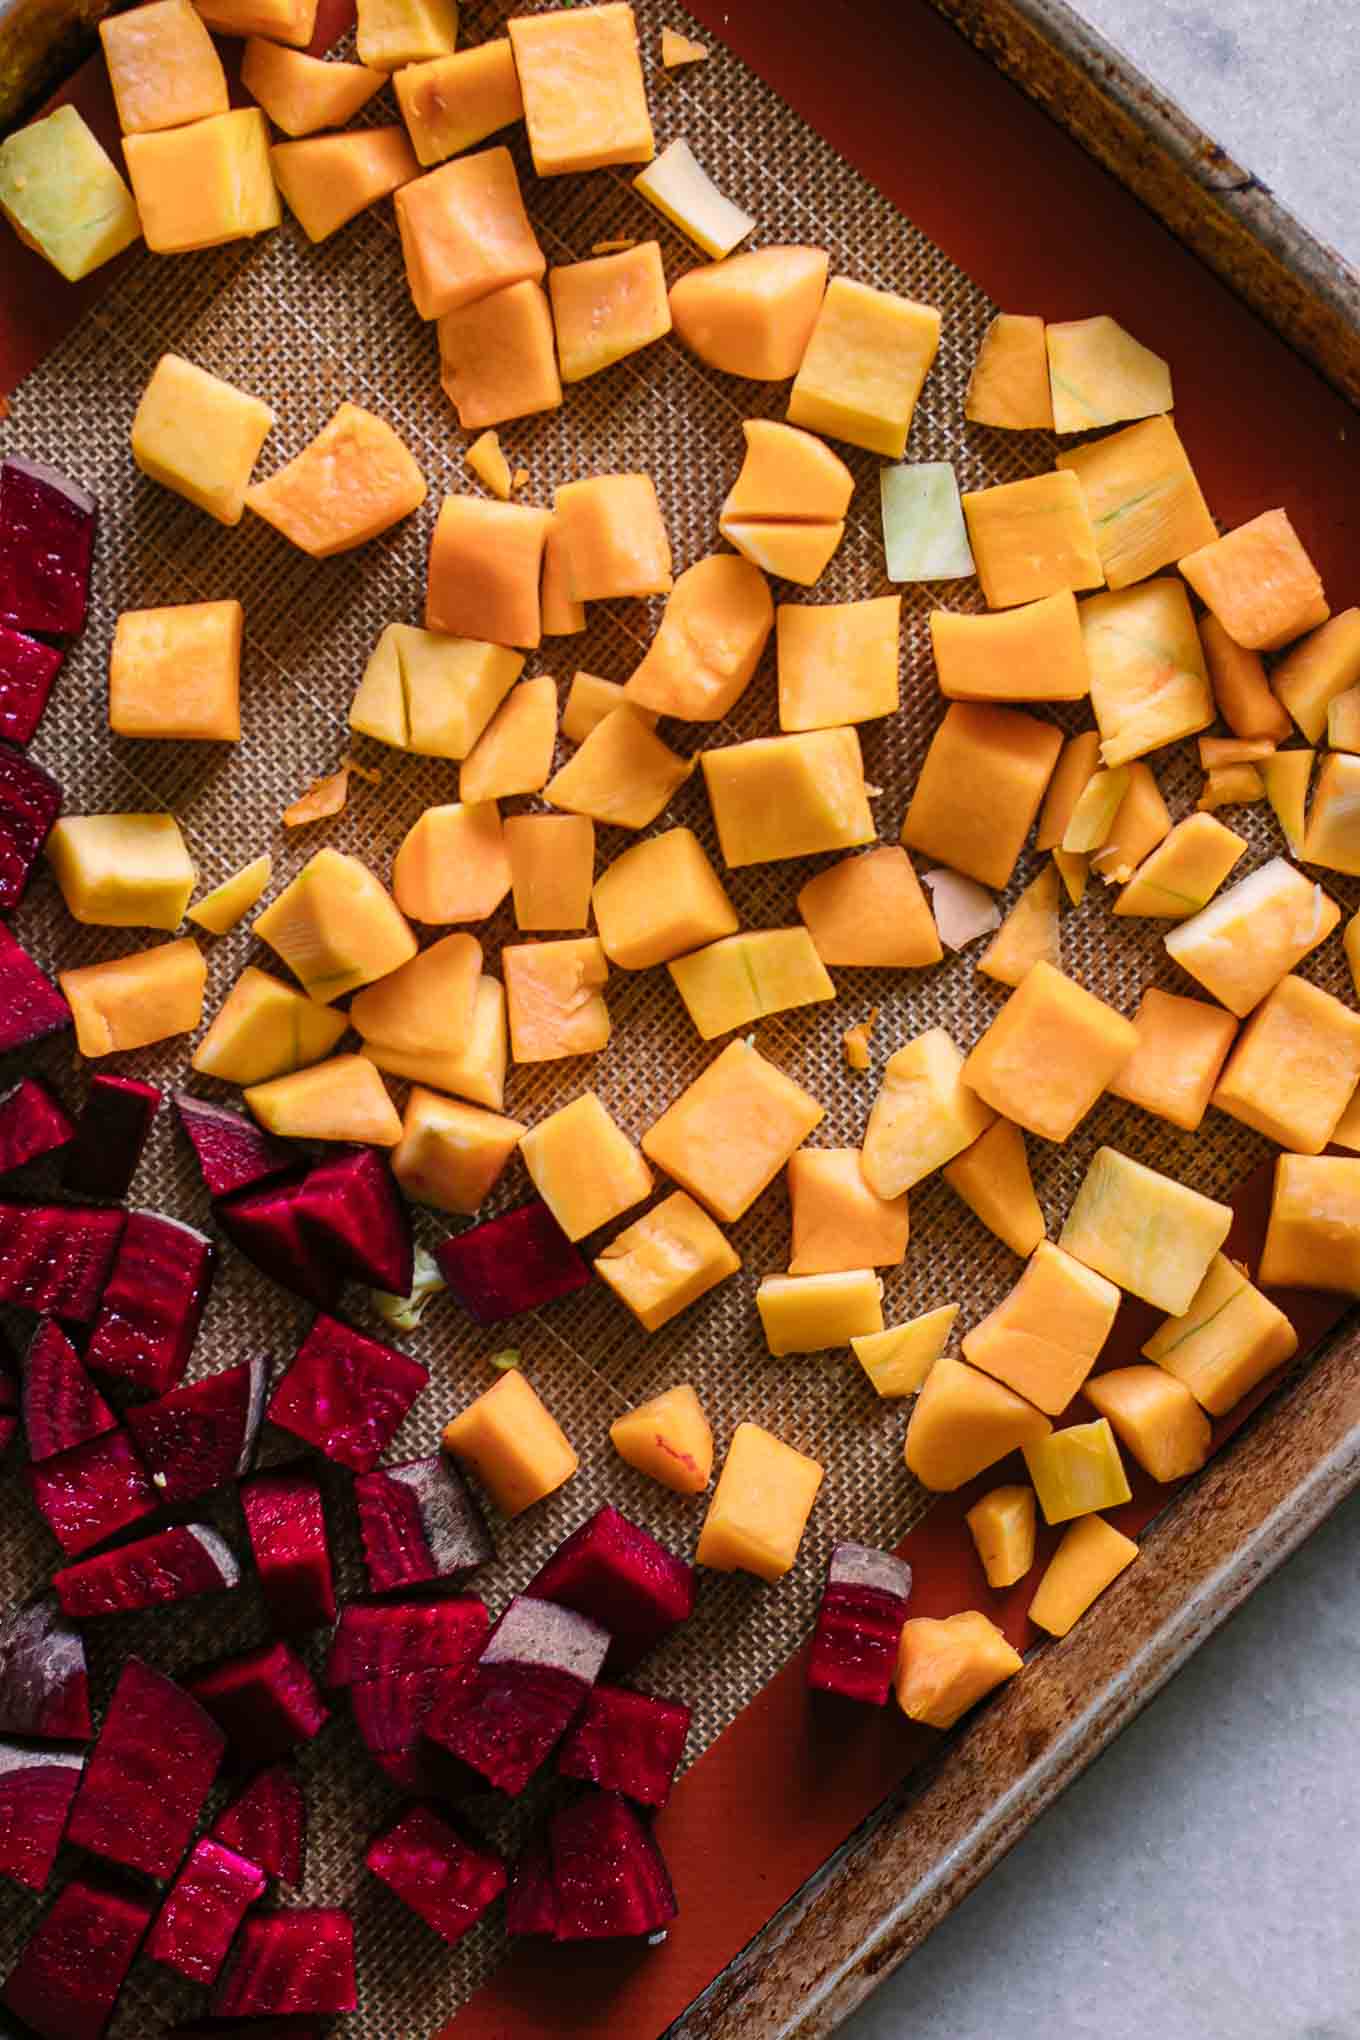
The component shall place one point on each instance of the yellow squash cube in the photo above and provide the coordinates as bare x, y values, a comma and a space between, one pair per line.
665, 1261
427, 1003
1182, 1046
789, 796
265, 1028
513, 1444
163, 68
1333, 835
465, 233
1153, 1236
1323, 665
1313, 1239
870, 911
553, 998
1049, 1053
177, 672
1259, 582
1033, 653
1100, 375
1245, 941
335, 927
1091, 1556
452, 865
669, 1438
514, 753
1009, 383
946, 1665
585, 103
1029, 934
302, 94
344, 1099
1146, 507
204, 184
1077, 1470
622, 773
980, 788
1231, 1336
993, 1179
432, 694
63, 195
728, 1135
1183, 872
552, 865
393, 33
1044, 1338
219, 910
744, 978
1295, 1067
838, 663
199, 436
1032, 538
1149, 683
451, 103
355, 480
838, 1221
132, 1001
608, 307
613, 538
471, 1068
717, 622
451, 1155
898, 1359
122, 871
963, 1422
865, 366
496, 361
1155, 1416
760, 1507
584, 1166
923, 1116
1002, 1526
659, 900
808, 1313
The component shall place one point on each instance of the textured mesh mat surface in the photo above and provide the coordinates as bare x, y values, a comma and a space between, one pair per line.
305, 328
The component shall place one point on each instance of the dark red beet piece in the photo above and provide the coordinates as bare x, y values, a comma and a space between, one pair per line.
510, 1264
57, 1257
84, 1495
346, 1394
390, 1712
114, 1123
154, 1303
28, 669
62, 1407
350, 1207
206, 1904
31, 1007
46, 546
859, 1624
266, 1700
198, 1438
30, 801
405, 1636
268, 1823
232, 1152
419, 1522
67, 1979
44, 1685
32, 1123
532, 1680
154, 1572
148, 1775
627, 1742
609, 1876
286, 1524
621, 1577
36, 1790
301, 1960
443, 1877
265, 1224
531, 1907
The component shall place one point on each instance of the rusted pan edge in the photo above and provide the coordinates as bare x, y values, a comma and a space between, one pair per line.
932, 1842
1297, 283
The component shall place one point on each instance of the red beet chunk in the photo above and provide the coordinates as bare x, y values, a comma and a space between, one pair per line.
531, 1907
265, 1224
31, 1007
609, 1876
32, 1123
405, 1636
532, 1680
198, 1438
46, 546
30, 801
286, 1524
62, 1407
44, 1686
442, 1876
67, 1979
346, 1394
154, 1572
268, 1823
36, 1790
621, 1577
350, 1208
232, 1152
154, 1303
266, 1700
627, 1742
84, 1495
57, 1257
207, 1903
28, 669
390, 1712
301, 1960
859, 1624
113, 1129
419, 1522
510, 1264
148, 1774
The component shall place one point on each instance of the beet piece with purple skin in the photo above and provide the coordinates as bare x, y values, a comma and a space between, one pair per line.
418, 1522
68, 1976
286, 1524
198, 1438
266, 1701
148, 1775
30, 801
447, 1880
61, 1405
265, 1224
205, 1906
346, 1394
268, 1823
531, 1907
56, 1259
232, 1152
618, 1574
114, 1123
510, 1264
154, 1572
153, 1304
349, 1205
84, 1495
36, 1790
374, 1640
46, 546
390, 1712
28, 671
31, 1006
609, 1877
531, 1681
299, 1960
627, 1742
44, 1683
32, 1123
859, 1624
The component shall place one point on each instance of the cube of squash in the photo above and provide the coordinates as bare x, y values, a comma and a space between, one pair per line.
176, 672
898, 1359
993, 1179
669, 1438
344, 1099
1049, 1053
838, 1221
198, 435
923, 1116
1313, 1239
979, 789
356, 479
393, 33
1032, 538
683, 192
265, 1028
866, 362
1029, 934
1033, 653
63, 196
1002, 1526
496, 358
962, 1422
452, 865
132, 1001
451, 1155
1183, 872
330, 179
122, 871
426, 1002
752, 314
513, 1444
585, 104
335, 927
1079, 760
287, 21
1246, 940
474, 1069
1090, 1558
220, 909
1333, 835
564, 617
870, 911
1155, 1417
1324, 664
553, 999
1149, 682
1100, 375
486, 559
1077, 1471
946, 1665
204, 184
1182, 1046
1146, 507
809, 1313
791, 552
760, 1507
786, 474
1142, 821
583, 1164
659, 900
1153, 1236
1259, 582
727, 1136
465, 233
1243, 694
1044, 1338
552, 864
432, 694
1295, 1067
613, 538
451, 103
514, 753
589, 699
716, 624
1009, 383
744, 978
622, 773
163, 68
302, 94
608, 307
838, 663
662, 1263
789, 796
1230, 1337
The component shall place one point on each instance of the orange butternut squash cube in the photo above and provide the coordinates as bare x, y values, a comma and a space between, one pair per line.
659, 900
923, 1116
552, 865
585, 103
613, 538
1090, 1558
177, 672
397, 32
432, 694
329, 179
590, 699
683, 192
1009, 383
1146, 507
451, 1155
753, 314
583, 1165
607, 308
786, 474
716, 624
302, 94
122, 871
1182, 1046
760, 1507
727, 1136
485, 563
427, 1002
1231, 786
1333, 835
355, 480
564, 617
962, 1422
465, 233
204, 184
1246, 940
1231, 1336
1242, 693
163, 68
744, 978
669, 1438
838, 1221
1033, 653
788, 796
343, 1099
865, 365
496, 358
1044, 1338
132, 1001
1002, 1526
898, 1359
1100, 375
198, 435
452, 864
993, 1179
622, 773
553, 998
1295, 1067
513, 1444
838, 662
450, 103
946, 1665
335, 927
1028, 935
1077, 1471
1032, 538
979, 789
472, 1068
1153, 1236
219, 910
1259, 583
809, 1313
1079, 760
63, 195
1313, 1239
665, 1261
1049, 1053
1155, 1417
514, 753
1286, 778
1325, 664
287, 21
1183, 872
1141, 822
1149, 682
870, 911
265, 1028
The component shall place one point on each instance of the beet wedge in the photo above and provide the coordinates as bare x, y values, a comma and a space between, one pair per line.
531, 1681
390, 1712
290, 1962
346, 1394
447, 1880
531, 1907
859, 1624
419, 1522
511, 1264
115, 1121
268, 1823
32, 1123
153, 1305
350, 1206
206, 1904
265, 1224
148, 1775
47, 527
56, 1259
31, 1007
154, 1572
376, 1640
30, 801
198, 1438
68, 1977
36, 1790
619, 1575
265, 1701
627, 1742
61, 1405
28, 672
286, 1524
44, 1683
232, 1152
609, 1877
88, 1493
